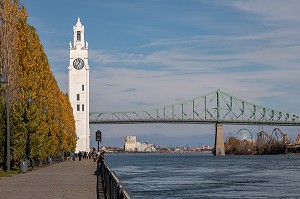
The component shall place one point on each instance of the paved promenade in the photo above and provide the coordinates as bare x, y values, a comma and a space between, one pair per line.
65, 180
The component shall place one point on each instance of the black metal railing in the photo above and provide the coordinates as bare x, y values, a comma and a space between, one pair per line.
109, 185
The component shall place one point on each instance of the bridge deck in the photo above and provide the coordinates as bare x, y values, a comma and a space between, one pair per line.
74, 180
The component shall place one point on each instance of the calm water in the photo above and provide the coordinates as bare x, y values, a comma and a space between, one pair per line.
154, 176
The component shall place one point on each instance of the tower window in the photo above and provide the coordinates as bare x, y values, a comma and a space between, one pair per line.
82, 88
78, 107
78, 97
82, 107
78, 36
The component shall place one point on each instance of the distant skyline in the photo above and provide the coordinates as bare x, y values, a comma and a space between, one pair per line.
146, 54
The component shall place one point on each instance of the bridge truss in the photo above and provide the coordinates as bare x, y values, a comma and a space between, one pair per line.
215, 107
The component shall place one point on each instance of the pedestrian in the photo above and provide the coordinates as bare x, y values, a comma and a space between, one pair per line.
94, 155
72, 156
100, 163
79, 155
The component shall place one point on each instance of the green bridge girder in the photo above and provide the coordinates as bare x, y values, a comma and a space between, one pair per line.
214, 107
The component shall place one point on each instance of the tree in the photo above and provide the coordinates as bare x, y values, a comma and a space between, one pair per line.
48, 122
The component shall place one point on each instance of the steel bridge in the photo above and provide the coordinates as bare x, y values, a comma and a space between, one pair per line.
214, 107
217, 107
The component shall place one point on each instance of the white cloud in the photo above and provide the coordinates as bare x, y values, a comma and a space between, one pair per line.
260, 65
272, 10
153, 89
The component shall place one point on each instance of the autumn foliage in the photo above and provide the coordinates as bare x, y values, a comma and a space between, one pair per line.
235, 146
49, 120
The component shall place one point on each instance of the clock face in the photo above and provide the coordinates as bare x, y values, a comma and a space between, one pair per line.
78, 63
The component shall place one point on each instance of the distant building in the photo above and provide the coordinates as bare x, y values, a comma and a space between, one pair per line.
145, 147
130, 143
206, 147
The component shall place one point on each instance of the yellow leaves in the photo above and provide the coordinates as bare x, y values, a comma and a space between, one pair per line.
33, 73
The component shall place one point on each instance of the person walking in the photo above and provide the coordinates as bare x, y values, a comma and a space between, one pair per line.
79, 155
72, 156
100, 163
94, 154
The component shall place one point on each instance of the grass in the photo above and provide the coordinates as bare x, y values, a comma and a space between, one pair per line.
8, 174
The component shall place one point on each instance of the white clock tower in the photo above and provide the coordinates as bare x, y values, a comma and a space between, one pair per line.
79, 86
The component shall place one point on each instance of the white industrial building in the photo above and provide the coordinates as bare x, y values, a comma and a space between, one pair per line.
131, 144
145, 147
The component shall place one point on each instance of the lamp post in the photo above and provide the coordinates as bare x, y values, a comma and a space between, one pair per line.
98, 137
27, 151
3, 80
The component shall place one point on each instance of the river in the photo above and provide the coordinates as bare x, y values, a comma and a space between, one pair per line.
194, 175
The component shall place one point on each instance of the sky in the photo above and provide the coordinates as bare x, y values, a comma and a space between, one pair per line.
150, 53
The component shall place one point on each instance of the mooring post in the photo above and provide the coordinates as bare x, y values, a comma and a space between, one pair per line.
219, 141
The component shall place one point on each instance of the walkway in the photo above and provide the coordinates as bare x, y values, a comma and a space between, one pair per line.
74, 180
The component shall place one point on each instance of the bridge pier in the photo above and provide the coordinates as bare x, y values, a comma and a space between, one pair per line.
219, 149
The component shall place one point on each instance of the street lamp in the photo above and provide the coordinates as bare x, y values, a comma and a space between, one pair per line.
98, 137
3, 80
29, 100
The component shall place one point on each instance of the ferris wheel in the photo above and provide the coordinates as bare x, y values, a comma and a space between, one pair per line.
244, 135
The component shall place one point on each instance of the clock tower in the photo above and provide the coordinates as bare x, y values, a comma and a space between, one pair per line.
79, 86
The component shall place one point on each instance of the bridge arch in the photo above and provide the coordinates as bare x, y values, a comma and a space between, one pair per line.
217, 107
214, 107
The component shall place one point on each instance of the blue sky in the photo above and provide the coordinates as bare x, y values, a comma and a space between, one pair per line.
145, 54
